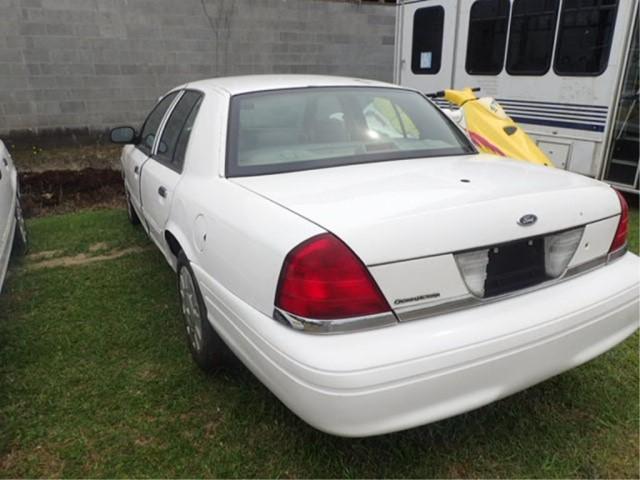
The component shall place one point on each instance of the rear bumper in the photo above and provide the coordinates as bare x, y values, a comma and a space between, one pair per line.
398, 377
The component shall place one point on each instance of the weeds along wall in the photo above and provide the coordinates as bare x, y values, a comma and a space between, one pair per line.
85, 65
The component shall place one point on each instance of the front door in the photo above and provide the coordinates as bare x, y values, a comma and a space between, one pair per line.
428, 44
136, 156
135, 159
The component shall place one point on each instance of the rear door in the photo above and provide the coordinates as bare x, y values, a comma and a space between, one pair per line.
162, 172
428, 44
135, 157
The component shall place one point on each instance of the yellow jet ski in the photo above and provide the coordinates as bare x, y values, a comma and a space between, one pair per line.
490, 128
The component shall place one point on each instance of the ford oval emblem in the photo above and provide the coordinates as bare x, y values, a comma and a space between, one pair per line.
528, 219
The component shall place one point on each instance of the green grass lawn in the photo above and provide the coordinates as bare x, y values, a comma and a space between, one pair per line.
96, 381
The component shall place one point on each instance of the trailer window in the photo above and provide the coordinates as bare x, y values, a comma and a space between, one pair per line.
533, 25
584, 36
428, 25
488, 21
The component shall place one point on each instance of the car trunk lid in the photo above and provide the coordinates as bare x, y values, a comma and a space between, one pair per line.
396, 211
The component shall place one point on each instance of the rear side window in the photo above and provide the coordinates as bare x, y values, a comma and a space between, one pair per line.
426, 55
488, 22
185, 134
151, 124
533, 25
584, 36
168, 146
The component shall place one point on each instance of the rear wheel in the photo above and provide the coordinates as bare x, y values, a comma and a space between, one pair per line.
131, 212
20, 239
208, 350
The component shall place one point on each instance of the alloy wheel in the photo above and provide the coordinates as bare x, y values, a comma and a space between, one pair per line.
190, 309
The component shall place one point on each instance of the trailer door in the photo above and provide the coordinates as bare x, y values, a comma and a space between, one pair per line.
623, 153
428, 35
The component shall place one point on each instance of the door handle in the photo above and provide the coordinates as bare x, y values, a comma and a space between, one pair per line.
136, 169
162, 191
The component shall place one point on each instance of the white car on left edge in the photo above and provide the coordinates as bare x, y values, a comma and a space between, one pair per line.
350, 245
13, 233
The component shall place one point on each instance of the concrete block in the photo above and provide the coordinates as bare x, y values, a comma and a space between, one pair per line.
10, 55
59, 29
31, 28
72, 106
107, 69
31, 3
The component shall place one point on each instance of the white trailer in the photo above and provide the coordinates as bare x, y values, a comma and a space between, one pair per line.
566, 70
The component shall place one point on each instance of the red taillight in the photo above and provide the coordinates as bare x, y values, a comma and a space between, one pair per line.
620, 238
322, 279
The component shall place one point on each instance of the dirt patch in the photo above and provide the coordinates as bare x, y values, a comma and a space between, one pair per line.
96, 247
44, 458
82, 259
45, 255
59, 191
37, 158
65, 171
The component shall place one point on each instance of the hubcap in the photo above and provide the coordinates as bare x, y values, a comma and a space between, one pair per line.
190, 309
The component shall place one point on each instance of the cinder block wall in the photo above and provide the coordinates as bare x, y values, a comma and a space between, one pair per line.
76, 65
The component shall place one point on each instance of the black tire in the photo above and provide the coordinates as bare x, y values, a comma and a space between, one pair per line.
131, 212
210, 352
21, 237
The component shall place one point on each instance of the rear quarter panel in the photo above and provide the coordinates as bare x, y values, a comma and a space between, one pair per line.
236, 237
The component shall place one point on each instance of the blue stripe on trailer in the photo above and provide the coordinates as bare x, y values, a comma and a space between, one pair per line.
409, 2
561, 124
555, 110
595, 108
544, 113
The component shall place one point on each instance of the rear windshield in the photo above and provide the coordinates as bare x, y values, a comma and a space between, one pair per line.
306, 128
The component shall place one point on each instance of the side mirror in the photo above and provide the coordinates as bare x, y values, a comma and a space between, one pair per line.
123, 135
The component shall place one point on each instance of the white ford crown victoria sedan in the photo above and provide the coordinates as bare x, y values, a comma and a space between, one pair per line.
346, 241
13, 234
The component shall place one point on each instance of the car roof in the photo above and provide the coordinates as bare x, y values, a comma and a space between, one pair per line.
258, 83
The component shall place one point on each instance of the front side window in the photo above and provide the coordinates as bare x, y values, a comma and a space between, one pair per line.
533, 26
428, 27
302, 129
584, 36
167, 147
488, 23
151, 124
